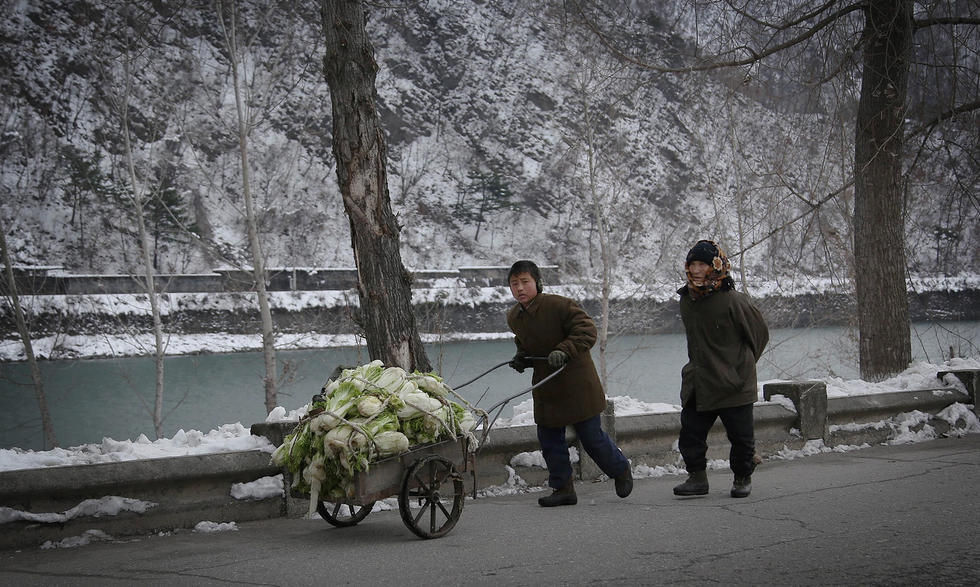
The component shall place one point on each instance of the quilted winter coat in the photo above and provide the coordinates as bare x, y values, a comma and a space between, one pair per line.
726, 335
551, 322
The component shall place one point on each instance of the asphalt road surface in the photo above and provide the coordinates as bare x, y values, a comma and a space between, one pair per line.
885, 515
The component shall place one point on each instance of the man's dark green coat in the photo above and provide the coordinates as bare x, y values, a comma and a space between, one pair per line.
726, 335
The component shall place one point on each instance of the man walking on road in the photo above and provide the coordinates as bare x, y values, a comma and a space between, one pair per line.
558, 328
726, 335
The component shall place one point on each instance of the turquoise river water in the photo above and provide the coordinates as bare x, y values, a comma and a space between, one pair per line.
92, 399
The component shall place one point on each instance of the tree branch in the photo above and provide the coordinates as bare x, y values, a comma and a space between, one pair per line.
784, 25
928, 125
814, 207
942, 21
720, 61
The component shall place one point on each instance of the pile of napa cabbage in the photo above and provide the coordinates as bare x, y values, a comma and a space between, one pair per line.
367, 414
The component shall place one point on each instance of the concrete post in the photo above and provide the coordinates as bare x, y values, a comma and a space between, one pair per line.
971, 381
810, 400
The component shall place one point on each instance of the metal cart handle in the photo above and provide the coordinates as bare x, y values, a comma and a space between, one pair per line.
499, 365
456, 387
499, 406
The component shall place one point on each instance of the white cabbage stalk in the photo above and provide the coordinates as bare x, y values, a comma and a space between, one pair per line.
369, 372
391, 379
360, 430
315, 474
339, 404
340, 439
390, 443
282, 451
418, 404
406, 388
372, 370
431, 384
468, 422
369, 405
324, 422
437, 420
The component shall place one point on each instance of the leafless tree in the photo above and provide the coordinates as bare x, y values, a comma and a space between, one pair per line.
149, 273
593, 87
228, 19
384, 285
836, 35
116, 71
23, 175
47, 425
599, 180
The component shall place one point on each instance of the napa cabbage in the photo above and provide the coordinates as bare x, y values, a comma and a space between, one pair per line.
368, 413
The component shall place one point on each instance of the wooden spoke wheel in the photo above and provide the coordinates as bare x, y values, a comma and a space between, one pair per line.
435, 487
343, 515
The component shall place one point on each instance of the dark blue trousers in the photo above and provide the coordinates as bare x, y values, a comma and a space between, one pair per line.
594, 440
739, 426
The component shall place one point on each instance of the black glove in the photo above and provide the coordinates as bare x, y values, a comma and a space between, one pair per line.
519, 363
557, 359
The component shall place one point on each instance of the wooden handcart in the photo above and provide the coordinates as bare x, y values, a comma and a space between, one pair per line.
428, 479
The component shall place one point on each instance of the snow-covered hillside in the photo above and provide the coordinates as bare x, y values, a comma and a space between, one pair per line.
495, 105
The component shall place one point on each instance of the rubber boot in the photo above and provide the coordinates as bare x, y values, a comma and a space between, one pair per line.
742, 486
564, 496
696, 484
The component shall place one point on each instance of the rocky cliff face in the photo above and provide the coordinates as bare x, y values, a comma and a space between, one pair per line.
495, 113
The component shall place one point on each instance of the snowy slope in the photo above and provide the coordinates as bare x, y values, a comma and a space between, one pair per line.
510, 90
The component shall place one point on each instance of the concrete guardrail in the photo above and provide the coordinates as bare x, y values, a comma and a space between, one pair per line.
179, 492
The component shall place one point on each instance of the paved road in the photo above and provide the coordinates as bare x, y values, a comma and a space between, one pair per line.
887, 515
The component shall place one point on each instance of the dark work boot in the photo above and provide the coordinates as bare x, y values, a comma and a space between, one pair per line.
624, 483
564, 496
696, 484
742, 486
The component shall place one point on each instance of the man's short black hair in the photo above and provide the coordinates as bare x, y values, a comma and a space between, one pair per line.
525, 266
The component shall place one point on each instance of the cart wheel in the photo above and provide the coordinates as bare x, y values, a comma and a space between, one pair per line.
343, 515
435, 482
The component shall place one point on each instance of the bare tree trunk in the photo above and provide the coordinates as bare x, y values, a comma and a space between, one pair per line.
258, 261
384, 285
47, 426
879, 211
145, 255
605, 256
150, 284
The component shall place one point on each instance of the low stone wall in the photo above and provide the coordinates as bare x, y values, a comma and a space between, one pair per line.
626, 316
187, 490
55, 281
182, 490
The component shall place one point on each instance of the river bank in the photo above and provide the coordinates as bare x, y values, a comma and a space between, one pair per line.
118, 324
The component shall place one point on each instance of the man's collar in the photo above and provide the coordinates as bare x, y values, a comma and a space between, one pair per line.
531, 306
